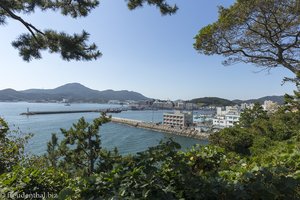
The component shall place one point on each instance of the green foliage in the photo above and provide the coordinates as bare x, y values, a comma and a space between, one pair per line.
292, 102
32, 180
11, 147
266, 184
200, 173
80, 149
262, 32
71, 8
70, 47
3, 128
53, 153
164, 7
249, 115
163, 172
30, 45
233, 139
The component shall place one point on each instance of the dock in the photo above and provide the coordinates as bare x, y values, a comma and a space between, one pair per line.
186, 132
109, 110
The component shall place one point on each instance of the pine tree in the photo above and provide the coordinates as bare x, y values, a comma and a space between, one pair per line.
81, 147
53, 151
70, 47
249, 115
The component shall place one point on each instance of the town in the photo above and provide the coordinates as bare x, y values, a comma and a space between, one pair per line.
186, 115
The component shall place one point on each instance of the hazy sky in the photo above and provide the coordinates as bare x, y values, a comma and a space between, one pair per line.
142, 51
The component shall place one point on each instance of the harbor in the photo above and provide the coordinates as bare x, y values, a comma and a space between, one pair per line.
185, 131
178, 123
128, 139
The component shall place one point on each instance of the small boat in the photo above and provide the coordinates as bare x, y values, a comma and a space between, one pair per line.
67, 104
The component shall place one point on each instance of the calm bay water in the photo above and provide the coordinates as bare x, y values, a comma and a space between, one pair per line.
127, 139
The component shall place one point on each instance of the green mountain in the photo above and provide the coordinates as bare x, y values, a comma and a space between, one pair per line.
212, 101
216, 101
277, 99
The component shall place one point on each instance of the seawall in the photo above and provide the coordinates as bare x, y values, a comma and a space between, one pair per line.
186, 132
71, 111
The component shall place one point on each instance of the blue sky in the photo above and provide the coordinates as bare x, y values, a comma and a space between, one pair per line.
142, 51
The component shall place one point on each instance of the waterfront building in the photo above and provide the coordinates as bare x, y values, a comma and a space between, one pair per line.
202, 118
228, 109
179, 104
225, 121
191, 106
228, 117
163, 104
114, 102
178, 119
182, 105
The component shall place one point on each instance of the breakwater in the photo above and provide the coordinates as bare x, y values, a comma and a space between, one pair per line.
186, 132
71, 111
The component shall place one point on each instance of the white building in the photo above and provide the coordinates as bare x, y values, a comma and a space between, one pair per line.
225, 121
178, 119
226, 118
246, 105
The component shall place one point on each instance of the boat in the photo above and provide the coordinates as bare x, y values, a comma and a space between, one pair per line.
67, 104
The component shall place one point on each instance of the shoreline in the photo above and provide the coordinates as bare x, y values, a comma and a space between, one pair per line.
185, 132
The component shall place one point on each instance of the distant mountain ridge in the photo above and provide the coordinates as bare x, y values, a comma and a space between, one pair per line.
74, 92
274, 98
216, 101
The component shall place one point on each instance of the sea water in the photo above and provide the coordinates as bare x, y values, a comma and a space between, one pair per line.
127, 139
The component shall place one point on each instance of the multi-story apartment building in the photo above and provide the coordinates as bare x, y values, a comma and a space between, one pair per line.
226, 118
178, 119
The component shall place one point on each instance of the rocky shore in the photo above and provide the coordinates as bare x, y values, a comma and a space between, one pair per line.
186, 132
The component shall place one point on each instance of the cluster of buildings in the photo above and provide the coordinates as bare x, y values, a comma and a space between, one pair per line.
229, 116
157, 105
183, 115
177, 105
223, 118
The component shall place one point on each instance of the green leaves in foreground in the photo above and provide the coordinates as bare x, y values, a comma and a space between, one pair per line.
162, 172
30, 181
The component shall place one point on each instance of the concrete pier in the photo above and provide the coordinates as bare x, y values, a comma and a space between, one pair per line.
186, 132
71, 111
